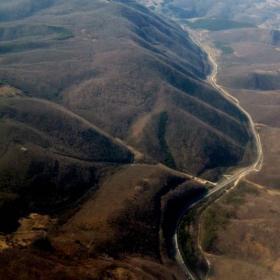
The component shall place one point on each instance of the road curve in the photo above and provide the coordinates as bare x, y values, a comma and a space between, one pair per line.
243, 172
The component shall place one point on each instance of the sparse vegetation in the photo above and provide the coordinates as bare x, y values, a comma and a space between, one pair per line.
250, 240
20, 9
214, 218
224, 47
218, 24
186, 240
131, 75
188, 236
117, 100
182, 13
21, 47
237, 196
63, 33
71, 150
217, 216
168, 160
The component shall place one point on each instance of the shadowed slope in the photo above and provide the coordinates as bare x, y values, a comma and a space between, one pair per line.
48, 156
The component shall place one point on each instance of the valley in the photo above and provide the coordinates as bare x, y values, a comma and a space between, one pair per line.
90, 105
250, 55
233, 178
113, 122
247, 68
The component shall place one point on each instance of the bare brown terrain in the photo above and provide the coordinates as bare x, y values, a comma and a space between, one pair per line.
99, 100
249, 241
121, 232
245, 245
100, 103
133, 75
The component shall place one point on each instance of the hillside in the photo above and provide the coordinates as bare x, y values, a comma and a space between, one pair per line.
241, 229
263, 13
97, 100
133, 74
254, 61
121, 232
49, 156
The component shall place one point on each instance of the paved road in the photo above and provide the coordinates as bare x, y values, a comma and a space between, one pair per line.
243, 172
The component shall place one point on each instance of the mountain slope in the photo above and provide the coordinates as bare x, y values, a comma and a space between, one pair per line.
48, 156
124, 69
77, 75
256, 12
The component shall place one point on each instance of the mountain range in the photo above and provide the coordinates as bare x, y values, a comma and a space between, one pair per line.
106, 116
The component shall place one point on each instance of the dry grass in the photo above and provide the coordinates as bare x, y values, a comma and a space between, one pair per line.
123, 64
269, 174
127, 207
250, 240
116, 234
49, 157
8, 91
226, 268
250, 237
117, 71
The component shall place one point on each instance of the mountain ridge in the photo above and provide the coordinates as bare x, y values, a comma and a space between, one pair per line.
125, 74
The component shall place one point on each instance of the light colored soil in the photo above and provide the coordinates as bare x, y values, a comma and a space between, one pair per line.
31, 228
8, 91
137, 128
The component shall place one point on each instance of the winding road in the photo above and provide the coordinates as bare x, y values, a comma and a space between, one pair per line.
234, 178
